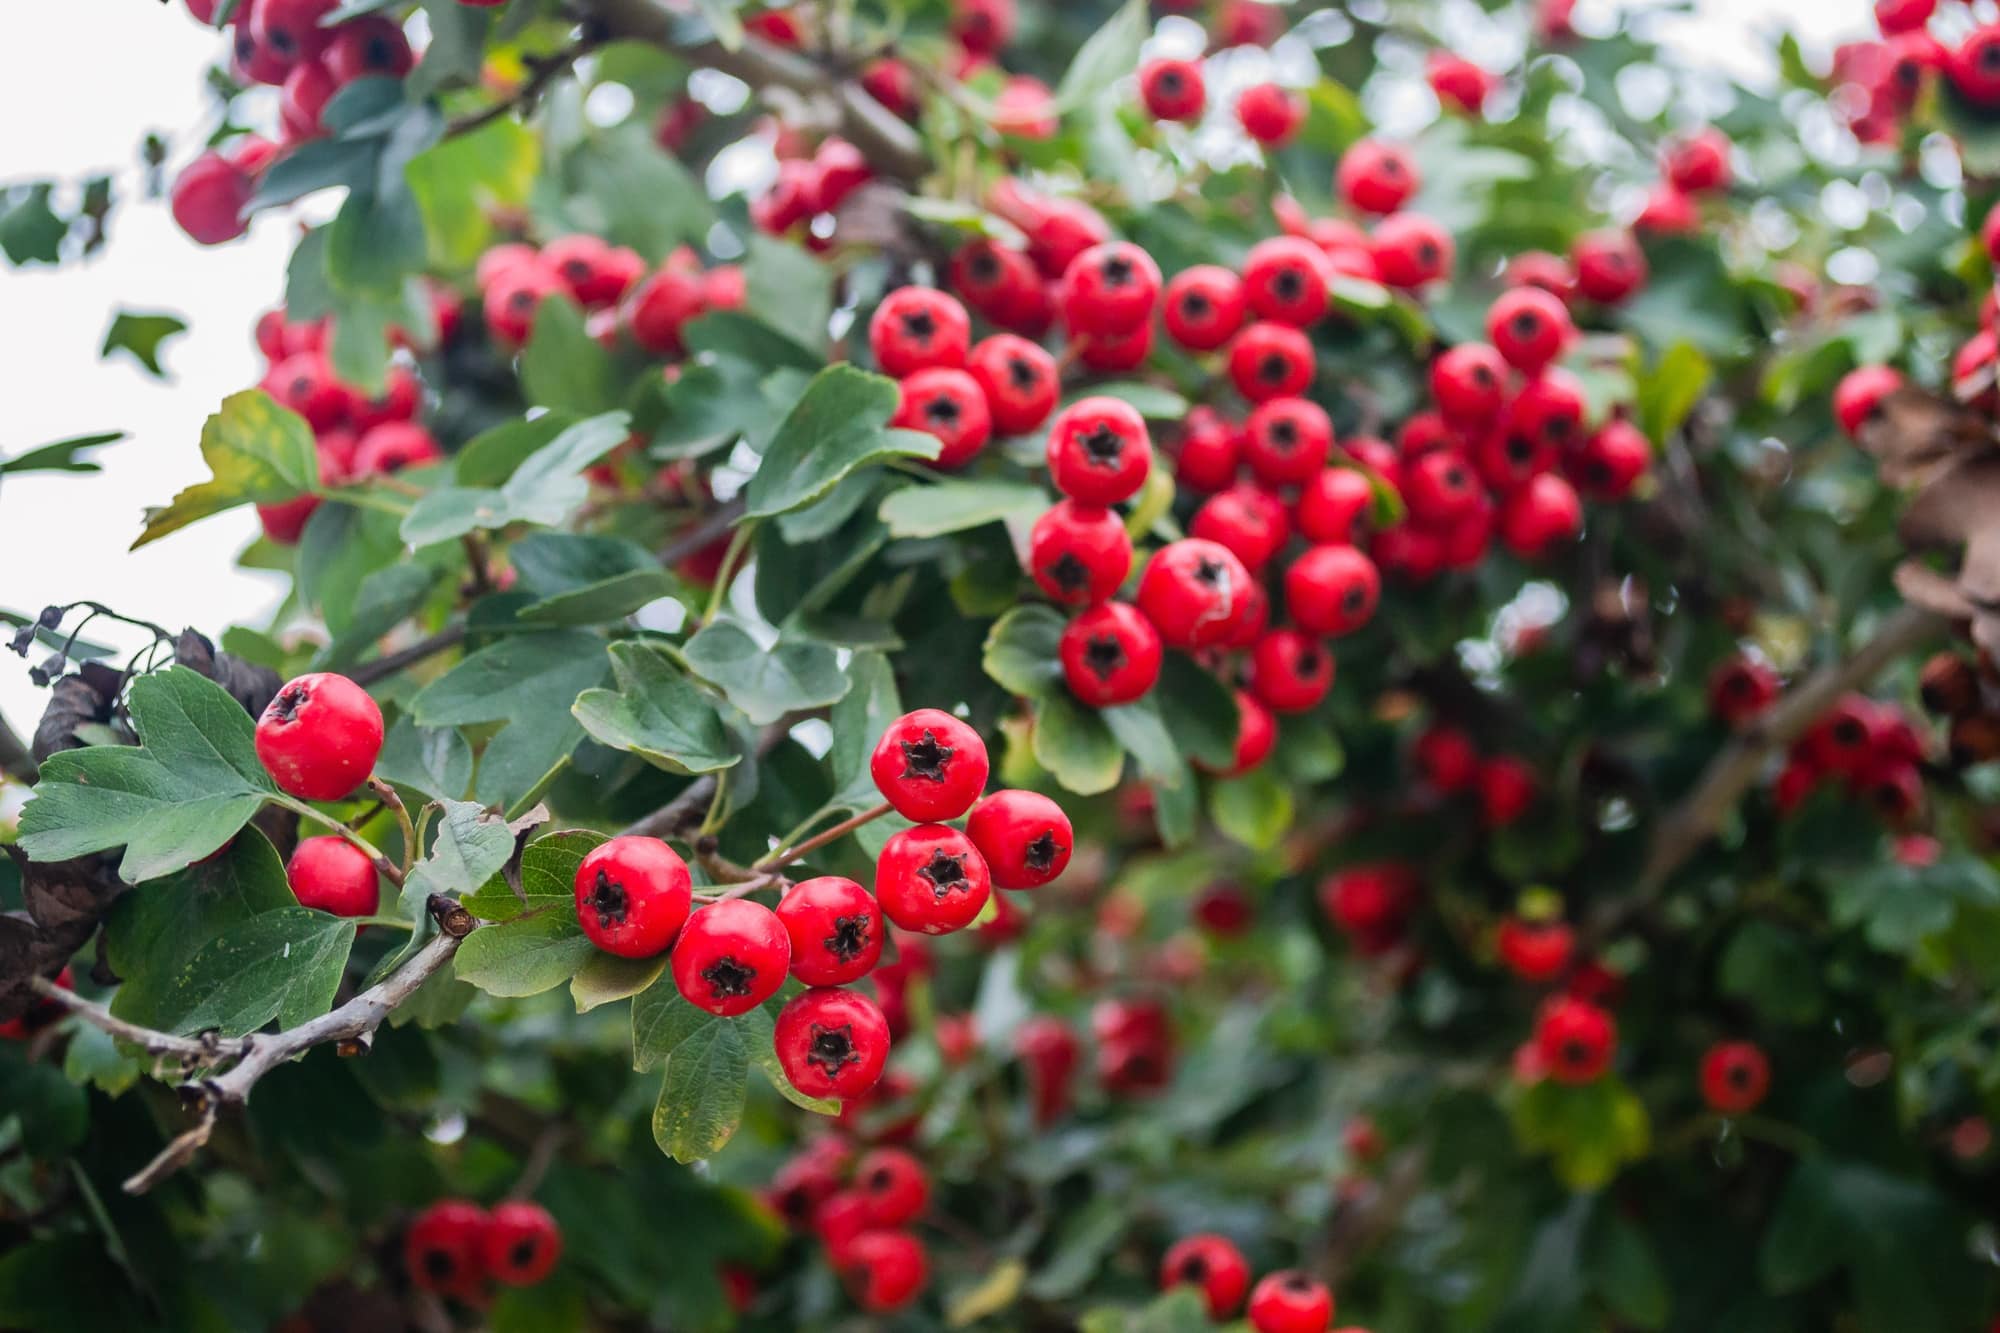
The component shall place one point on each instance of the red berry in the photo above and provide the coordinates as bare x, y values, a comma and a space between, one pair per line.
1411, 250
915, 328
368, 46
929, 765
1612, 461
290, 29
831, 1043
732, 956
1287, 441
1204, 307
632, 896
1740, 689
1794, 785
1575, 1040
1858, 396
1195, 593
1024, 836
511, 301
1698, 163
1331, 502
1110, 655
1209, 449
1530, 327
1609, 266
931, 880
1735, 1075
884, 1270
663, 306
894, 85
1270, 114
983, 26
1079, 554
1019, 380
1537, 953
1538, 268
333, 875
1256, 735
1375, 177
1173, 89
319, 736
1114, 351
1543, 514
401, 398
1409, 552
1469, 383
393, 446
591, 271
1507, 789
1370, 902
1441, 491
835, 929
521, 1243
1668, 212
1109, 289
1269, 360
894, 1186
1285, 279
1211, 1263
1899, 16
1099, 451
1508, 458
1445, 759
443, 1249
1061, 230
305, 383
1247, 519
1458, 82
1290, 1302
948, 404
1050, 1051
1332, 590
307, 90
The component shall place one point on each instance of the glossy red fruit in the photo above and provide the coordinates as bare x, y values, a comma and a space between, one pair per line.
1050, 1052
1270, 114
589, 269
1107, 352
1211, 1263
393, 446
1287, 441
931, 880
401, 398
1740, 689
1246, 518
1575, 1040
885, 1270
1195, 593
1458, 82
1285, 280
1540, 269
1109, 289
1529, 327
1507, 788
983, 26
1135, 1046
1735, 1076
1445, 759
1609, 266
1079, 554
1256, 735
662, 306
1611, 461
831, 1043
915, 328
1019, 380
894, 1186
1697, 163
511, 301
1000, 283
1898, 16
1858, 396
894, 85
1376, 177
1203, 307
303, 98
929, 765
365, 47
1370, 902
1441, 491
632, 895
333, 875
947, 404
1110, 655
319, 736
520, 1244
1173, 89
1290, 1302
1332, 590
732, 956
1268, 360
443, 1250
305, 383
1331, 502
289, 29
1536, 952
1291, 671
1411, 250
1024, 836
1210, 448
1469, 383
1099, 451
835, 928
1540, 516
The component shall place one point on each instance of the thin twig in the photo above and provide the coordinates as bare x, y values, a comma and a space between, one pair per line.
388, 665
542, 71
786, 855
199, 1051
411, 851
684, 812
713, 526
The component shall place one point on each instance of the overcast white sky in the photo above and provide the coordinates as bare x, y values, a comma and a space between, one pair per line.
69, 114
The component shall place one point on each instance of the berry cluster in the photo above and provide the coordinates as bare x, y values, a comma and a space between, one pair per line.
1447, 762
609, 283
1965, 693
458, 1249
318, 738
960, 392
1881, 82
1287, 1301
1872, 748
861, 1212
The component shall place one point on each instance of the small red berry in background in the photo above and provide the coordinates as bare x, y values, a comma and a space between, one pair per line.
1332, 502
893, 1185
915, 328
1740, 689
948, 404
931, 880
1270, 114
1575, 1040
521, 1243
1290, 1302
1173, 89
1256, 735
1211, 1263
1270, 360
1019, 380
1445, 759
1287, 441
444, 1247
1109, 289
1376, 177
632, 896
1203, 307
1859, 395
732, 956
929, 765
831, 1043
1024, 837
1332, 590
319, 736
1536, 952
1285, 279
1110, 655
1099, 451
835, 928
1079, 554
884, 1270
1735, 1076
1458, 82
333, 875
1412, 251
1195, 593
1507, 788
1290, 672
1609, 266
1530, 327
1698, 163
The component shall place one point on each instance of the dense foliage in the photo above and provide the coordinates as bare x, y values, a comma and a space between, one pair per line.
1483, 530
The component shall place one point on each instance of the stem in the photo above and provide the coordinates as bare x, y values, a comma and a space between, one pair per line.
384, 667
739, 540
787, 855
411, 848
191, 1049
387, 868
713, 819
366, 499
476, 557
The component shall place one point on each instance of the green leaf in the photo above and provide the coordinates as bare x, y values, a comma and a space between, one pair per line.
533, 947
546, 488
839, 424
63, 455
625, 189
563, 367
1624, 1270
1590, 1130
385, 598
1255, 809
1075, 744
184, 791
862, 714
607, 977
141, 336
1021, 650
491, 456
459, 182
528, 681
766, 683
30, 232
284, 964
436, 761
1109, 54
702, 1091
586, 580
789, 289
257, 453
1199, 710
656, 713
1669, 393
471, 846
758, 1036
548, 877
955, 505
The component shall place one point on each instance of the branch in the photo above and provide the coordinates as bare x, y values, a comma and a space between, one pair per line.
542, 71
1683, 829
383, 667
684, 813
890, 145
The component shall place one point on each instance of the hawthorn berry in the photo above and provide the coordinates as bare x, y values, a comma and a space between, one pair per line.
1285, 280
319, 735
510, 302
290, 29
1376, 177
305, 383
1529, 326
1270, 113
1110, 655
1331, 502
1213, 1264
1110, 288
1050, 1052
1332, 590
1668, 212
831, 1043
894, 1186
731, 957
1458, 82
444, 1247
1469, 383
916, 328
1099, 451
1541, 514
1735, 1075
1507, 458
1019, 381
1135, 1046
1507, 789
393, 446
402, 395
1370, 902
593, 272
929, 765
333, 875
1698, 163
1256, 735
1445, 759
1209, 450
520, 1243
1173, 89
303, 97
947, 404
1609, 266
1287, 441
1290, 1302
1858, 397
369, 46
932, 880
1024, 837
998, 282
884, 1270
1949, 685
983, 26
1079, 554
1575, 1040
1536, 952
1289, 671
1114, 351
1269, 360
835, 929
1195, 593
1203, 307
1611, 461
1249, 520
632, 896
1900, 16
1441, 491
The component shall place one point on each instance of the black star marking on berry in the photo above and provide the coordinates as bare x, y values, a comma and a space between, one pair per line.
1104, 655
608, 899
1041, 854
1068, 573
728, 979
945, 871
849, 938
926, 758
1210, 572
1102, 445
920, 326
832, 1049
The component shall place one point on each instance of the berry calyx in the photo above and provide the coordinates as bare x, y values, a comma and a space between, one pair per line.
732, 956
633, 895
444, 1248
1024, 837
319, 735
1735, 1076
928, 765
835, 928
